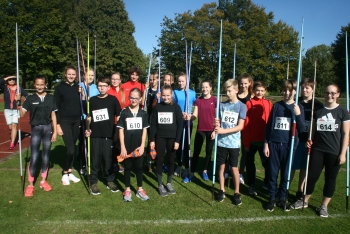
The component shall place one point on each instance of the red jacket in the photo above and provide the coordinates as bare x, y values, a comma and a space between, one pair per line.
258, 112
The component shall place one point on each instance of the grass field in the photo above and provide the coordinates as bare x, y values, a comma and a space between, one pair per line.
71, 208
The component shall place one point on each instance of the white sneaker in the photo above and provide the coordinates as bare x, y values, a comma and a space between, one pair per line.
65, 179
73, 178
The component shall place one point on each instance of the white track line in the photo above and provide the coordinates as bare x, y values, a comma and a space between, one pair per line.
182, 221
5, 142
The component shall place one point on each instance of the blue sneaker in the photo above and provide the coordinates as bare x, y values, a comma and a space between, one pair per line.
205, 176
165, 169
188, 179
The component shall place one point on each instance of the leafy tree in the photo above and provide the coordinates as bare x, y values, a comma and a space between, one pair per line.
339, 55
263, 47
324, 69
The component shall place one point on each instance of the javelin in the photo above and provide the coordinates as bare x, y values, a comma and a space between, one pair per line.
95, 62
217, 112
234, 64
188, 74
88, 117
347, 107
149, 72
160, 54
294, 125
310, 137
19, 114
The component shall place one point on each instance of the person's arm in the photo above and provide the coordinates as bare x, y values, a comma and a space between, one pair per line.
236, 128
141, 148
179, 123
246, 128
123, 153
299, 117
194, 114
154, 122
54, 126
345, 141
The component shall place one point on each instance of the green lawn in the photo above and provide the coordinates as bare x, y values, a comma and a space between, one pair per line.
68, 209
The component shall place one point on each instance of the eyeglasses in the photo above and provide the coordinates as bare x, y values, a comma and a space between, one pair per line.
102, 86
134, 99
330, 93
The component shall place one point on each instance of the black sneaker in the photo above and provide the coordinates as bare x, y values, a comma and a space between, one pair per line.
271, 205
94, 190
113, 187
220, 196
283, 205
237, 199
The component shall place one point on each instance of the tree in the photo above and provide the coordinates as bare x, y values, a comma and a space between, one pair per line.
339, 55
325, 64
116, 46
263, 47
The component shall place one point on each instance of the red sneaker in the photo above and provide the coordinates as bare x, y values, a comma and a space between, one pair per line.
44, 185
29, 191
12, 146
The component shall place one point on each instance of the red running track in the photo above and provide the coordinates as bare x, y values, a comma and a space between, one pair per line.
5, 136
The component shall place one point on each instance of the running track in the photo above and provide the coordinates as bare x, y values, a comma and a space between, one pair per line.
5, 136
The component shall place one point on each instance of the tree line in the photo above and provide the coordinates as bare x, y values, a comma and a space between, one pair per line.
48, 31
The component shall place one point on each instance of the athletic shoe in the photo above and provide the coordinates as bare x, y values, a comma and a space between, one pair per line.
121, 169
142, 195
170, 188
185, 173
299, 204
113, 187
237, 199
283, 205
65, 179
94, 190
44, 185
127, 196
322, 211
271, 205
165, 169
12, 146
162, 191
188, 179
73, 178
29, 191
241, 179
83, 172
205, 176
220, 196
177, 171
252, 191
265, 186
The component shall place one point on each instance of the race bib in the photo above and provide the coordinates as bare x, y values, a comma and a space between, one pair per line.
100, 115
230, 117
165, 117
134, 123
326, 125
307, 126
282, 123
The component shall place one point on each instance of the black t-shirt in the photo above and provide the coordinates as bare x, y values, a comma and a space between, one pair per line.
102, 112
328, 123
133, 127
166, 122
40, 108
245, 99
304, 136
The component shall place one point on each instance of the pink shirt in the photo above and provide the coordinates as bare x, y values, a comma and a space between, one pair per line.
206, 113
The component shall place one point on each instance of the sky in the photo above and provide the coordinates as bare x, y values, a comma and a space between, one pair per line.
323, 19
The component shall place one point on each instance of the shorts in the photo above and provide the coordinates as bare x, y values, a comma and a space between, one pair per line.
11, 116
300, 157
233, 155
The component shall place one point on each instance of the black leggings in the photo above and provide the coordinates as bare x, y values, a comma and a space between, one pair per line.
138, 168
161, 145
198, 143
250, 163
330, 162
70, 129
183, 158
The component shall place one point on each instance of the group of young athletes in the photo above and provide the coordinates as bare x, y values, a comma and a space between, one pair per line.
247, 123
